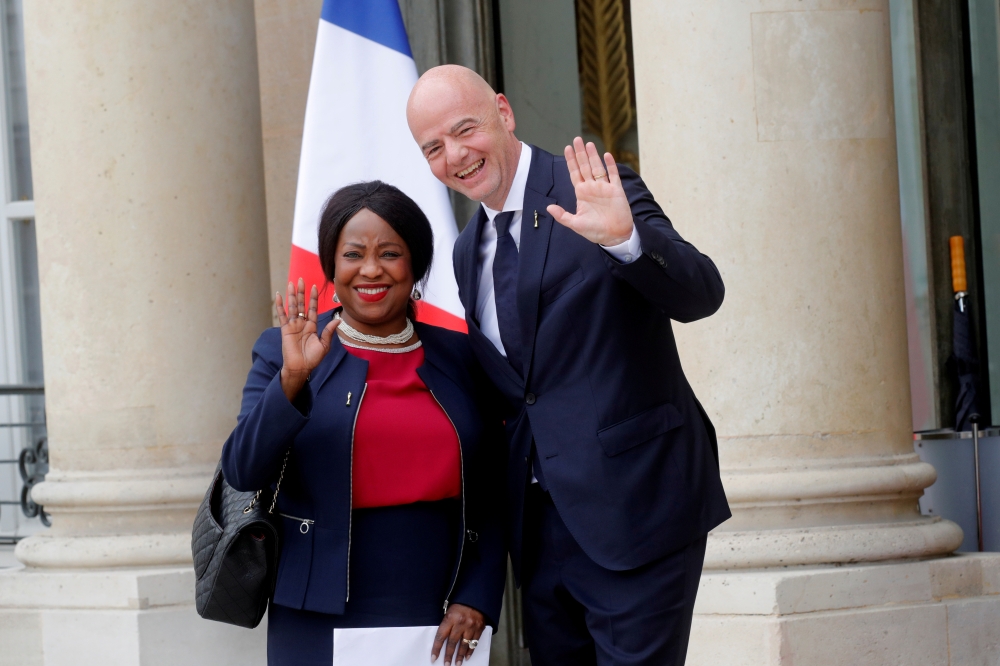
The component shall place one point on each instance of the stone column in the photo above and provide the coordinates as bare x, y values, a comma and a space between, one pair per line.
152, 237
767, 133
286, 41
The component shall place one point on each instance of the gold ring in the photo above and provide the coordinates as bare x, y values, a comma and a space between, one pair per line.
600, 175
473, 644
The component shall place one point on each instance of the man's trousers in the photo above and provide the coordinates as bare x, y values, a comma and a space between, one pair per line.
577, 613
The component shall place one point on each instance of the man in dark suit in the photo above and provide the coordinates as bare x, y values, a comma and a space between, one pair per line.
570, 274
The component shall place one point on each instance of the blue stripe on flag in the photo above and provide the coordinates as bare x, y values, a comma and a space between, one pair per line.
377, 20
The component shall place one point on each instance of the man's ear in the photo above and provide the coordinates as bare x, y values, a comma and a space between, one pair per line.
506, 112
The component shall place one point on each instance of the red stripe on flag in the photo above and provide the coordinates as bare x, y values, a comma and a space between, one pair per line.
305, 264
435, 316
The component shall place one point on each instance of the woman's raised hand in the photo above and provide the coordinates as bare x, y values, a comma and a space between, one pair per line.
301, 348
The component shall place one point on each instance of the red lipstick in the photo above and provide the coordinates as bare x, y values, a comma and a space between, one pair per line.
381, 291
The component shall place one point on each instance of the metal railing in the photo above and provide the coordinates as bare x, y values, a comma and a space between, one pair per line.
32, 461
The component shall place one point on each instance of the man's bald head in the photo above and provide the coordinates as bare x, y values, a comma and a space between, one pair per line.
465, 131
449, 80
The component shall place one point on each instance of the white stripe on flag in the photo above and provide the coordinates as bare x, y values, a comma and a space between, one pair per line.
355, 130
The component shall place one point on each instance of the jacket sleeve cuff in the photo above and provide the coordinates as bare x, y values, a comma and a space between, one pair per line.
482, 607
276, 405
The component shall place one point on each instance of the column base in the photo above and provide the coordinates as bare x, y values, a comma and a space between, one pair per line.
935, 612
130, 617
119, 518
923, 537
130, 550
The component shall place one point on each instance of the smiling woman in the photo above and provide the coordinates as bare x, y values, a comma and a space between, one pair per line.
374, 244
396, 453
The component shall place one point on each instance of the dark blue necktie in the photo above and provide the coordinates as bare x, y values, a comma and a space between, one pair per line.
505, 291
508, 320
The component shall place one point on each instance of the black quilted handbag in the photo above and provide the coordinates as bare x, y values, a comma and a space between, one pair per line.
235, 544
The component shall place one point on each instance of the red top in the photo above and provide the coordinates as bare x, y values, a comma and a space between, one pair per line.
405, 447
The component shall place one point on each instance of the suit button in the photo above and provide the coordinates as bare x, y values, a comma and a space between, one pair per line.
530, 398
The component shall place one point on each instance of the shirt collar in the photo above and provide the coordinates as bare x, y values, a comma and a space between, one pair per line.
515, 198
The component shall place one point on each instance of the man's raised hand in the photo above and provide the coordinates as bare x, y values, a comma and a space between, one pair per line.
301, 349
602, 212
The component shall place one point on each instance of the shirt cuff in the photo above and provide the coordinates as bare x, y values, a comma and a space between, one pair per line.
628, 251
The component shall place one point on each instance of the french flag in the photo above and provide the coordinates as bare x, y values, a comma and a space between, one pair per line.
355, 130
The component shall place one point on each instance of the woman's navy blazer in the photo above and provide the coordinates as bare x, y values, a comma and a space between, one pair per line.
319, 428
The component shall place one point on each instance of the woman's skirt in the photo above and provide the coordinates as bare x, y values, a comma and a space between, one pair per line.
401, 564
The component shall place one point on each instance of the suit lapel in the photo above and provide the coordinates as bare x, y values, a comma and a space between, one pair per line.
534, 248
332, 359
467, 274
489, 356
468, 262
446, 379
433, 355
532, 251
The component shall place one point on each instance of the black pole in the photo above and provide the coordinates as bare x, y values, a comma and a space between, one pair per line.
974, 419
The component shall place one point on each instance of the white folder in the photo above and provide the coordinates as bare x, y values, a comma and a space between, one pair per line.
397, 646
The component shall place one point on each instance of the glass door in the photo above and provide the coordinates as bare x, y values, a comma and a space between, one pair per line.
23, 446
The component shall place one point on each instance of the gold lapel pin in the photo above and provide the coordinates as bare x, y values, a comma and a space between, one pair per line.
348, 399
536, 219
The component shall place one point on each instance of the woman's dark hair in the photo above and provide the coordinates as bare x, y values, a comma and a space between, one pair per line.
400, 211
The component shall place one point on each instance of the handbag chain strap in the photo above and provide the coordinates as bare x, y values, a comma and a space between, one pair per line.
277, 487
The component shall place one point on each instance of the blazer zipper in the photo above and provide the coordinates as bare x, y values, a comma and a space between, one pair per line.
461, 463
306, 522
350, 503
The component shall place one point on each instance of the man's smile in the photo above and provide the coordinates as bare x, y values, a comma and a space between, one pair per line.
472, 170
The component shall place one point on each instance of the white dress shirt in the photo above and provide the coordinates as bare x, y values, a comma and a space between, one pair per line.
486, 307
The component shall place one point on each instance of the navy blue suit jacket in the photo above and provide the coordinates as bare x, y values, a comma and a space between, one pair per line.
628, 454
319, 428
